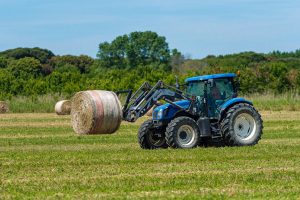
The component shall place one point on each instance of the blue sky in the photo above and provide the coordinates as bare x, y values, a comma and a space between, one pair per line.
195, 27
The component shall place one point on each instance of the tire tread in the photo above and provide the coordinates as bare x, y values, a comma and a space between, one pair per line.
170, 130
228, 134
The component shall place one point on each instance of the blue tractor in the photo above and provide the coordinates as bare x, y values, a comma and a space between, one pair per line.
207, 112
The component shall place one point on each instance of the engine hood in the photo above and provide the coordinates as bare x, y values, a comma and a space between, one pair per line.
183, 103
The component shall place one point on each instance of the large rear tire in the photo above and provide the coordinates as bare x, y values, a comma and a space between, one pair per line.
182, 132
242, 126
150, 137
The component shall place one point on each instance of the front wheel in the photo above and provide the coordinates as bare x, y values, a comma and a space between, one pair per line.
150, 137
242, 126
182, 132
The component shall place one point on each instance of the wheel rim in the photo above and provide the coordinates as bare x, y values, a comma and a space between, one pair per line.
244, 126
155, 140
186, 135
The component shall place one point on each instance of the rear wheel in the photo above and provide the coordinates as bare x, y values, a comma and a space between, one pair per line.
150, 137
242, 126
182, 132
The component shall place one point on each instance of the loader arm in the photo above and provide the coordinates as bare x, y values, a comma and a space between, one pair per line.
139, 103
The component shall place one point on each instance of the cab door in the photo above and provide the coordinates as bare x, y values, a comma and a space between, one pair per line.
220, 92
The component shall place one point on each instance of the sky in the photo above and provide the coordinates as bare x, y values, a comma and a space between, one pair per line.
197, 28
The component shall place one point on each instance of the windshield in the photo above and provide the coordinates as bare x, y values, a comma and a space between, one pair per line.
222, 89
195, 88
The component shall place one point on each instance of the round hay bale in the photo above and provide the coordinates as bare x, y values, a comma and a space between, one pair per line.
96, 112
4, 108
63, 107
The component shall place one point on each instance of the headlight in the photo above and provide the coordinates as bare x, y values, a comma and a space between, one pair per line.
160, 114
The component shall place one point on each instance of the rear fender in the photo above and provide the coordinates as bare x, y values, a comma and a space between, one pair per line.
228, 104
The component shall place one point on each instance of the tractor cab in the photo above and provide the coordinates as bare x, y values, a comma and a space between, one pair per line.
213, 94
213, 91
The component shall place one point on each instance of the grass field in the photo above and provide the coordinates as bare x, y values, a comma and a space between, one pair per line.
41, 157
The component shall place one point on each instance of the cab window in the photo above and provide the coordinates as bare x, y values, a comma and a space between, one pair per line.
196, 88
222, 89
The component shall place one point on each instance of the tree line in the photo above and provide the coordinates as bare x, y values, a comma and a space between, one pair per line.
129, 60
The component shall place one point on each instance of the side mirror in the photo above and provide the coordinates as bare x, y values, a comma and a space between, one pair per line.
211, 83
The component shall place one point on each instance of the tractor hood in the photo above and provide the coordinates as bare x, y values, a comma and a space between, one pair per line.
168, 110
183, 103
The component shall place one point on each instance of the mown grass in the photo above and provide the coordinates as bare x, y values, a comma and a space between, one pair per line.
41, 157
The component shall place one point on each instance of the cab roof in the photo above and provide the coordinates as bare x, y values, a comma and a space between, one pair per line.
212, 76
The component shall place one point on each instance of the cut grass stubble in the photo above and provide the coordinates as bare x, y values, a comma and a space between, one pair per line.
39, 161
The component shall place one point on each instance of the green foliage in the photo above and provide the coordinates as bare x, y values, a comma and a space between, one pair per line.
25, 68
25, 77
82, 62
278, 54
3, 62
177, 60
43, 55
242, 59
135, 49
131, 59
6, 80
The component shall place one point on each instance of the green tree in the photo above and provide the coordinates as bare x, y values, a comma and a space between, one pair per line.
43, 55
65, 82
26, 68
82, 62
137, 48
114, 54
177, 60
6, 80
3, 62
